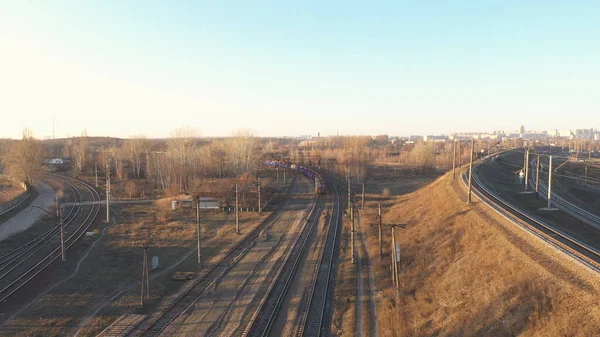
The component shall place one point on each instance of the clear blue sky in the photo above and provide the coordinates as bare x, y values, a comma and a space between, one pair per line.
119, 68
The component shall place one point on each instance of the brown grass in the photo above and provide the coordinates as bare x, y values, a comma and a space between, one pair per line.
8, 190
115, 263
465, 271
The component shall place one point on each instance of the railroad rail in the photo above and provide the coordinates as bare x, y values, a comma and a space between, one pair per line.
563, 204
17, 204
578, 250
264, 317
23, 264
316, 318
189, 297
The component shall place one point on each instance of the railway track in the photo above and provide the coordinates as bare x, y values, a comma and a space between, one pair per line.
22, 265
263, 318
156, 326
581, 252
566, 206
316, 316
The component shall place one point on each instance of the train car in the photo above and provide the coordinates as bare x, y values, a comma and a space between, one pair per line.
305, 171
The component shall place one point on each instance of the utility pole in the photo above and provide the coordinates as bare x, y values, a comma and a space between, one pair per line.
62, 235
145, 278
459, 153
107, 192
237, 210
362, 202
259, 204
526, 169
537, 178
96, 166
198, 232
454, 161
394, 262
349, 192
380, 238
352, 234
471, 171
550, 183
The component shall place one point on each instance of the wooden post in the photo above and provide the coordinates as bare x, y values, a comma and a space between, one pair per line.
107, 192
362, 205
550, 183
471, 171
198, 233
352, 234
145, 278
349, 192
537, 178
393, 251
62, 235
259, 205
96, 167
526, 170
237, 209
454, 161
380, 236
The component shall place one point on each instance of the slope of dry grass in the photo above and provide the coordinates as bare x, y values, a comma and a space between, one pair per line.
465, 271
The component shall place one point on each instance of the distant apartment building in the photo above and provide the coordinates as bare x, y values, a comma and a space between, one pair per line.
436, 139
565, 133
415, 138
585, 133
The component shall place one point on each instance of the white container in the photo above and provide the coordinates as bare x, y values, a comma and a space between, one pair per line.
174, 204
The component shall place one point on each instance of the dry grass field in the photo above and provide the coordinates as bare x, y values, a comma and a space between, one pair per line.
8, 190
466, 271
86, 300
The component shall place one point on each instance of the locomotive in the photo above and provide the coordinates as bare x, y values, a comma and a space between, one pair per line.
313, 175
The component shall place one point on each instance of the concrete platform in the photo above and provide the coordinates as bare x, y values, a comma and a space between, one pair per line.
29, 216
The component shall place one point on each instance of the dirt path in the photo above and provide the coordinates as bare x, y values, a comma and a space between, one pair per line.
365, 277
28, 216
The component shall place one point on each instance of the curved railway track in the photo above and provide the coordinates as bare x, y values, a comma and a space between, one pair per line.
581, 252
189, 297
22, 265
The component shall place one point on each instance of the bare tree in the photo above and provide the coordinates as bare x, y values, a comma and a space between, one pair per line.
81, 153
136, 148
243, 151
181, 150
423, 156
23, 160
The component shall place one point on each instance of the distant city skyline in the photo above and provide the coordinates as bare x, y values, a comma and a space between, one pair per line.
285, 69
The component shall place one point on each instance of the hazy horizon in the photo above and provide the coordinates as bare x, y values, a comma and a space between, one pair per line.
119, 69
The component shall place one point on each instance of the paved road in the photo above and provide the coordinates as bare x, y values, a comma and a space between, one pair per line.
28, 216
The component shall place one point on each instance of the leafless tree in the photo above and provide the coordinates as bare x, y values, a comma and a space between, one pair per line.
81, 153
23, 159
243, 151
423, 156
181, 148
136, 148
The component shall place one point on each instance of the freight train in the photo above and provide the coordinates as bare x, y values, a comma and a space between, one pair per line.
313, 175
